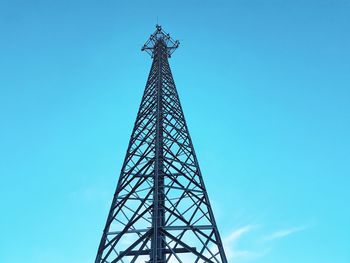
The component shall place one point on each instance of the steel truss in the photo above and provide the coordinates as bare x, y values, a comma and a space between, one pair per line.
160, 211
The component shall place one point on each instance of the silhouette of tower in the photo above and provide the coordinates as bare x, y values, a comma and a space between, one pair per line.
160, 211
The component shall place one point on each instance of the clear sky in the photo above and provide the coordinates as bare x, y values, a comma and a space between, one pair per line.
265, 89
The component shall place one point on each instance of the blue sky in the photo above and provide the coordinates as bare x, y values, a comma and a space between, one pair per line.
265, 90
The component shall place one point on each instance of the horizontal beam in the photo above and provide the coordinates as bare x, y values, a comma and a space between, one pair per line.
166, 251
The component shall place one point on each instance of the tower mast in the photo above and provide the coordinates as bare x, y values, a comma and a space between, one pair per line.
160, 211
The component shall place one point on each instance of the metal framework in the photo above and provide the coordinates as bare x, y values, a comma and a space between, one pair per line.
160, 211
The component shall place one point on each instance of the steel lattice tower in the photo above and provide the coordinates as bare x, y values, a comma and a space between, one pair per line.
160, 211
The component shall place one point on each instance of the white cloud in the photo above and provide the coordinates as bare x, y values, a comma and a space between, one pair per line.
236, 234
230, 244
283, 233
234, 252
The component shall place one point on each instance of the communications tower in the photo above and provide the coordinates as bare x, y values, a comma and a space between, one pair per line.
160, 210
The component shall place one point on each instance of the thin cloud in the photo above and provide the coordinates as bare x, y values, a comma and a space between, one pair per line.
283, 233
230, 244
236, 234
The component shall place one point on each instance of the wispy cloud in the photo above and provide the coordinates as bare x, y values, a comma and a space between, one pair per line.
233, 241
230, 243
236, 234
283, 233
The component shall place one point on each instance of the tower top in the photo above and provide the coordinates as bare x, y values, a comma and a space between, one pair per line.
160, 35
